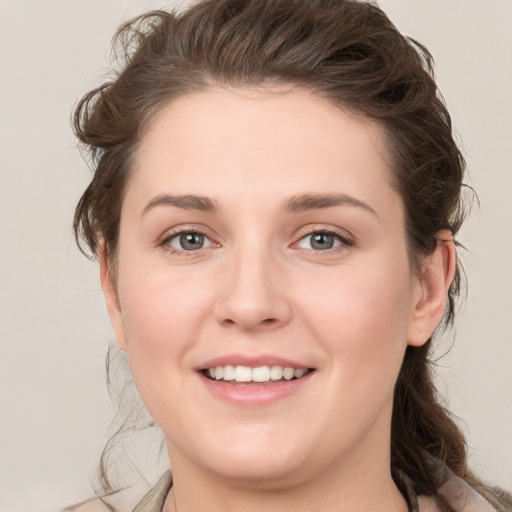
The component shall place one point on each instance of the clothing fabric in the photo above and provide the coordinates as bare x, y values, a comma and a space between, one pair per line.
154, 500
459, 494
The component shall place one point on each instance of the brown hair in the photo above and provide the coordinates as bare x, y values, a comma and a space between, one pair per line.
343, 50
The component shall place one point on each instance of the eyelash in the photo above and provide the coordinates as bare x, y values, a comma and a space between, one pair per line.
165, 244
341, 237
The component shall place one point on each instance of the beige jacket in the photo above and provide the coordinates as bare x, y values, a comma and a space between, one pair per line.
459, 494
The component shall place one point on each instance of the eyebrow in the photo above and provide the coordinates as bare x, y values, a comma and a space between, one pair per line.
186, 202
294, 204
307, 202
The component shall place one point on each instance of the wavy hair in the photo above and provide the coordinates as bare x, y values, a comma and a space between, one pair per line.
346, 51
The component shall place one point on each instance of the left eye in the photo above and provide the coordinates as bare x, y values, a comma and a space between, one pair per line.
320, 241
190, 241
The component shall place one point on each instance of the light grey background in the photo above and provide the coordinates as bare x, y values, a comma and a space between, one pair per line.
53, 326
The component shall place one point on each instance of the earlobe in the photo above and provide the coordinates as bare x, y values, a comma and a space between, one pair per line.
108, 286
431, 292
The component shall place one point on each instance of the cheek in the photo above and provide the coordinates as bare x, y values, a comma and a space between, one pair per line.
162, 316
360, 315
158, 306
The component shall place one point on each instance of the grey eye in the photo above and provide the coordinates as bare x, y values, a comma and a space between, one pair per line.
192, 241
320, 241
188, 241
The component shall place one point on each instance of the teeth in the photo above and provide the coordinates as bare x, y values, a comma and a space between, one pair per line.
243, 374
276, 372
258, 374
288, 373
229, 372
261, 374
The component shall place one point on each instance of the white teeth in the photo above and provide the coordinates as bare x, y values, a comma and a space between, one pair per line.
243, 373
276, 373
229, 372
257, 374
288, 373
261, 374
298, 374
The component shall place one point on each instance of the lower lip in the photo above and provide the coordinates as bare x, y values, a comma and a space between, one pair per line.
254, 394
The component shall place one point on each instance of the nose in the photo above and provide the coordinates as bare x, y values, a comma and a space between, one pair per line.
252, 293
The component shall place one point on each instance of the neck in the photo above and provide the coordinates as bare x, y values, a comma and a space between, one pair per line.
354, 486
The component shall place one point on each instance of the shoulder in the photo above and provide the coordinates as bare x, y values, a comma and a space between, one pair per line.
123, 500
136, 498
461, 497
459, 494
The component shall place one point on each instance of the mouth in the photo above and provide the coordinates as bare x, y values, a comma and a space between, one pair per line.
252, 383
247, 375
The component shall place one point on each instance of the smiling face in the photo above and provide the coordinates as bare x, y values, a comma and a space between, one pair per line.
261, 237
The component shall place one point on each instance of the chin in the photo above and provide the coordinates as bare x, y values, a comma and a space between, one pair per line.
252, 457
260, 471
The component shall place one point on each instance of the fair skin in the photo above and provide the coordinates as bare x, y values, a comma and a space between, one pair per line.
294, 254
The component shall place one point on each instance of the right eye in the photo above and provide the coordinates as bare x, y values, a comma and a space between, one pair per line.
188, 241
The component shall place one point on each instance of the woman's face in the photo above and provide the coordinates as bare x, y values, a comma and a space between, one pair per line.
261, 235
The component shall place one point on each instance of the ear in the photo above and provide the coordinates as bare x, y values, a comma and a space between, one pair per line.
431, 290
111, 298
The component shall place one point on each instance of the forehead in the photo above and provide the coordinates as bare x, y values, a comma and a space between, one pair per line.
245, 142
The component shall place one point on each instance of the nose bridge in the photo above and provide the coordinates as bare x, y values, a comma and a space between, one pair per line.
252, 294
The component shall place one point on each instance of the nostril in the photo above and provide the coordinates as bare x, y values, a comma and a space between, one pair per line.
266, 321
251, 314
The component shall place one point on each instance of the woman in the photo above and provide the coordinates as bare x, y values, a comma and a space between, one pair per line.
274, 206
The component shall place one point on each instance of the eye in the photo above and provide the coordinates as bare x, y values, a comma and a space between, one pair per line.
188, 241
322, 241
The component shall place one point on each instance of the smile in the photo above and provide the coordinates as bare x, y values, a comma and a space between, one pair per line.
259, 374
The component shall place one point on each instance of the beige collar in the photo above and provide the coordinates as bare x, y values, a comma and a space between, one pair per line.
461, 496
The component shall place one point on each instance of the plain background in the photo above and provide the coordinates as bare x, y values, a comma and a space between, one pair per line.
54, 330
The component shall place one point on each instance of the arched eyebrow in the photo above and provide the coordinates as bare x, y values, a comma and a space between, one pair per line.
294, 204
187, 202
306, 202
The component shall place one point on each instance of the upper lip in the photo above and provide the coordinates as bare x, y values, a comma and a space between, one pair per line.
252, 361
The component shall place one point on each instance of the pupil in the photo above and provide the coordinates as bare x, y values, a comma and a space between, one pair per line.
191, 241
322, 241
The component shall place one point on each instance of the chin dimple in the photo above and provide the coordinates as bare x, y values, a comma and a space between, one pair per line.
258, 374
